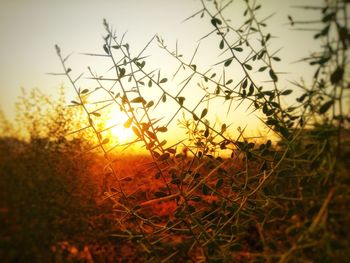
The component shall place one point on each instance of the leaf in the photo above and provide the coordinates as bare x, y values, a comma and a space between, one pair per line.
262, 69
326, 106
151, 135
215, 21
251, 89
105, 48
219, 183
271, 121
75, 102
163, 157
163, 80
128, 123
84, 91
206, 133
164, 98
286, 92
276, 58
273, 75
96, 114
222, 44
195, 117
223, 128
217, 90
228, 62
181, 100
247, 66
150, 83
121, 72
149, 104
337, 75
239, 49
245, 83
229, 82
205, 189
170, 150
162, 129
136, 131
106, 140
204, 112
138, 100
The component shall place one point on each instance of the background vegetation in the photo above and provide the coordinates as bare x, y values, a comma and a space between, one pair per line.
68, 195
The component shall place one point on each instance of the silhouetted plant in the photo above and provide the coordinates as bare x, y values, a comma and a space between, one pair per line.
239, 206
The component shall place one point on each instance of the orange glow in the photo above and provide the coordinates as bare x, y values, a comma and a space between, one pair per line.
117, 133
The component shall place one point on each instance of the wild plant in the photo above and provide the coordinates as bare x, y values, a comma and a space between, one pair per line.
228, 196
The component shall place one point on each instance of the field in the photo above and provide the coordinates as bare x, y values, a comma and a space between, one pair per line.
106, 176
53, 209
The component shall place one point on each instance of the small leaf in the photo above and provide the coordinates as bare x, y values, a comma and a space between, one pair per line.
136, 131
276, 58
286, 92
222, 44
262, 69
75, 102
149, 104
239, 49
106, 140
215, 21
228, 62
164, 98
204, 112
273, 75
162, 129
205, 189
245, 83
163, 80
151, 135
219, 183
326, 106
121, 72
337, 75
181, 100
96, 114
84, 91
251, 89
247, 66
128, 123
223, 128
137, 100
105, 48
271, 121
206, 133
150, 83
163, 157
229, 82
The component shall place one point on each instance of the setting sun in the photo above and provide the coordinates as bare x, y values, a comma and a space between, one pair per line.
116, 131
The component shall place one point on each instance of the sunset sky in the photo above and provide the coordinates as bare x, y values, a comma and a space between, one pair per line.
30, 28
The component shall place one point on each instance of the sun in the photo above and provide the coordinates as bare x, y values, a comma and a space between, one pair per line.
117, 133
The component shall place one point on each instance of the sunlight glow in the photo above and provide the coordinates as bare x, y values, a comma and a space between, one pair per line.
118, 133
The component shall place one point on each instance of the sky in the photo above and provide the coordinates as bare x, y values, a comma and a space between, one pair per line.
29, 29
